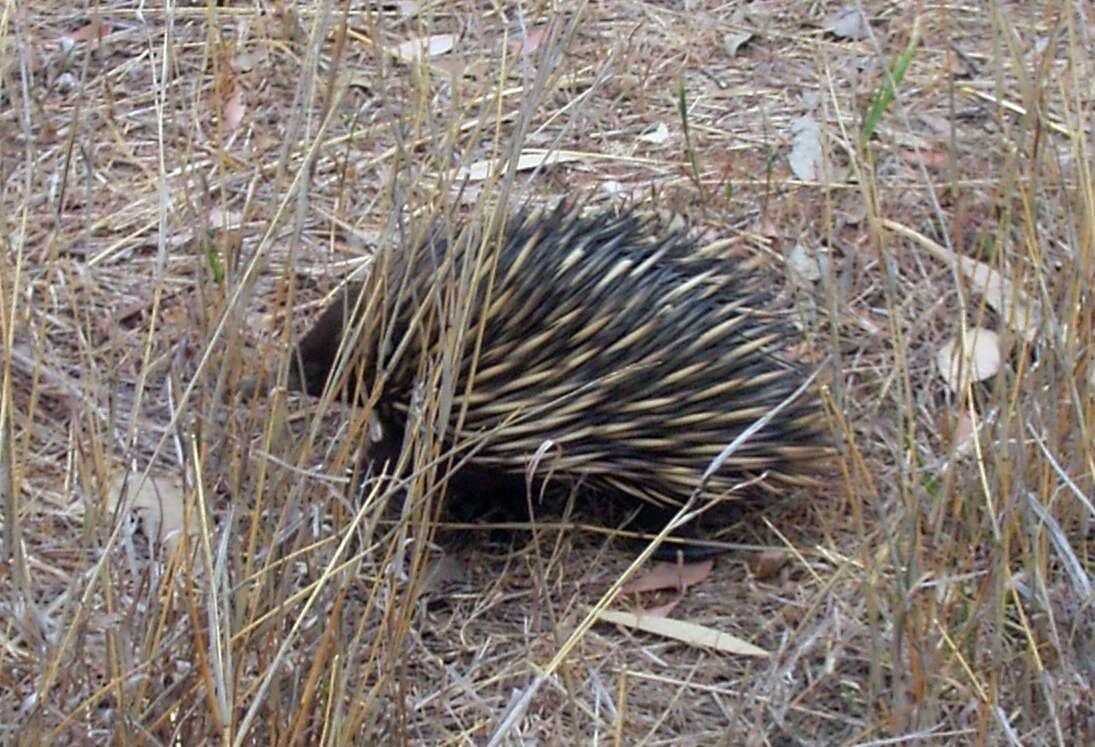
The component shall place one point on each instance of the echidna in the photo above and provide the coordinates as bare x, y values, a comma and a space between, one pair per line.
636, 352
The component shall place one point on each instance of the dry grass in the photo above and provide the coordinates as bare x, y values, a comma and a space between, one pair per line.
173, 185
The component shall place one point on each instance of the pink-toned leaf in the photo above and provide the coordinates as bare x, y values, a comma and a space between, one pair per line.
534, 38
670, 576
662, 610
963, 435
767, 563
87, 32
234, 110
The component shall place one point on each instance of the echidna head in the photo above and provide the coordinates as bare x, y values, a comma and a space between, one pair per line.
315, 357
307, 375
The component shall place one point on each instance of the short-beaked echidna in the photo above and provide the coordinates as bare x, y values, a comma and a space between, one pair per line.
637, 352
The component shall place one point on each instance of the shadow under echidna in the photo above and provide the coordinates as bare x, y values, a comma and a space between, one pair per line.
591, 350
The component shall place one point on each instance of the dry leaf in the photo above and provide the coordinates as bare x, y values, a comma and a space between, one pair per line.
662, 610
804, 264
234, 109
658, 135
686, 632
445, 571
430, 46
733, 42
670, 576
767, 228
219, 219
767, 563
247, 61
926, 157
528, 160
158, 503
846, 23
805, 157
1018, 313
974, 359
531, 41
456, 66
937, 123
93, 30
964, 434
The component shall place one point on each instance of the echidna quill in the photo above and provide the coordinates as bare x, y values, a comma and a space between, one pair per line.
637, 353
